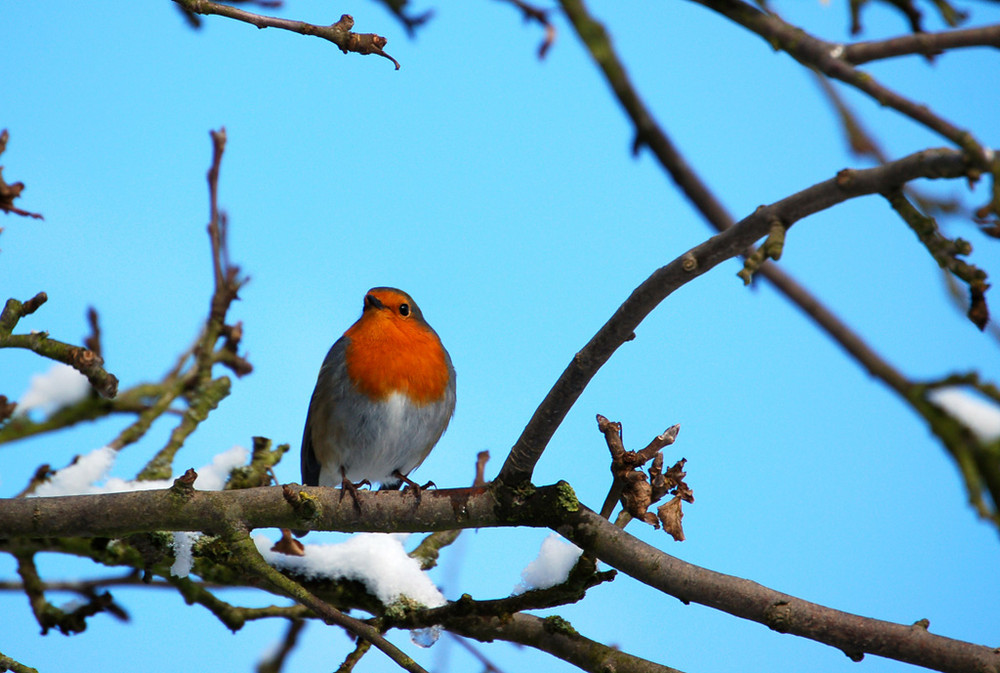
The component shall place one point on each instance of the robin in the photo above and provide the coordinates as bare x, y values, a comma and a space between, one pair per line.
384, 396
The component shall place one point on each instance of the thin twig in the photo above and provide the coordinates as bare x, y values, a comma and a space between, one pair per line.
84, 360
338, 33
927, 44
827, 57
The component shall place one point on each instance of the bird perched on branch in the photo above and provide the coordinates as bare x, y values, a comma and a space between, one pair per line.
384, 396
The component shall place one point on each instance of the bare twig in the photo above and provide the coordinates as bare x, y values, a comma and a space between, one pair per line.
730, 243
946, 252
84, 360
338, 33
9, 192
275, 662
541, 17
8, 664
556, 636
927, 44
827, 57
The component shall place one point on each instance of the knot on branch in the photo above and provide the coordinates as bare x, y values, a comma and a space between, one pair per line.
229, 355
258, 472
359, 43
6, 408
305, 506
638, 490
778, 616
183, 485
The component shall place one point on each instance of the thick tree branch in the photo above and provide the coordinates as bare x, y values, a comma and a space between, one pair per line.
221, 512
177, 509
941, 163
854, 635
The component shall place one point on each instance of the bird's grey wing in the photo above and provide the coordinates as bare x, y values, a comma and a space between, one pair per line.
310, 466
324, 395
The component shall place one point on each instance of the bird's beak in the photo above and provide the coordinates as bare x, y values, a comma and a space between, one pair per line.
371, 301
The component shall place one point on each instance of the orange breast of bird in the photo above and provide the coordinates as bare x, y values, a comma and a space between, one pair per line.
388, 353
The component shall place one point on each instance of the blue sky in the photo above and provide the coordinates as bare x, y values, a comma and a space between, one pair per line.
501, 193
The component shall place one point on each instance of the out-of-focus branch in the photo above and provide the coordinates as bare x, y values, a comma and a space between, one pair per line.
410, 21
276, 661
557, 637
8, 664
541, 17
731, 242
338, 33
134, 400
84, 360
949, 14
927, 44
862, 143
827, 58
233, 616
49, 616
9, 192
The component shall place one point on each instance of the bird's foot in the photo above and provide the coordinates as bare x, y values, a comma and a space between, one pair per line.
347, 486
411, 485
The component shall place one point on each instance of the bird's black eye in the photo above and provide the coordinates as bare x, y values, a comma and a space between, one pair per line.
404, 309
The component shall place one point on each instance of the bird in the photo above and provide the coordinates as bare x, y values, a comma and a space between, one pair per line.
384, 396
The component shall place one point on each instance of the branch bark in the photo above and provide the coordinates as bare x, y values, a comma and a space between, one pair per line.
222, 512
854, 635
733, 241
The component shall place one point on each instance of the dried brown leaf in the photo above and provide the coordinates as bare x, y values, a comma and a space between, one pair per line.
637, 495
288, 545
670, 515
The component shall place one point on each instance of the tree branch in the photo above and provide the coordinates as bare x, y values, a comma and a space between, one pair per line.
941, 163
9, 192
854, 635
222, 512
246, 554
84, 360
338, 33
927, 44
557, 637
827, 57
8, 664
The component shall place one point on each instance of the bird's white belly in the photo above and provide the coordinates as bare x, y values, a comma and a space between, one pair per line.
383, 438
